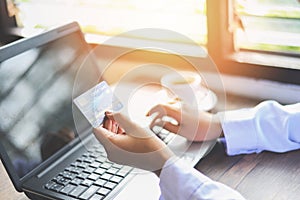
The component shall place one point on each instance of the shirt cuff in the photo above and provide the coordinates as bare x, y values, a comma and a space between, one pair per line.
176, 181
239, 131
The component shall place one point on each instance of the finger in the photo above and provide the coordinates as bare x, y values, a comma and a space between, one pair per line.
102, 135
156, 121
115, 127
164, 110
120, 130
129, 127
166, 125
108, 124
171, 127
123, 121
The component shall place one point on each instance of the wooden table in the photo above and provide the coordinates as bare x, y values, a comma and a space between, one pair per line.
7, 190
256, 176
264, 176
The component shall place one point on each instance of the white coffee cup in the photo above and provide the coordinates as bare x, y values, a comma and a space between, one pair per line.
186, 85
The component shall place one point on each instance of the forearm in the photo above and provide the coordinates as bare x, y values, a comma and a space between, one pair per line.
179, 181
269, 126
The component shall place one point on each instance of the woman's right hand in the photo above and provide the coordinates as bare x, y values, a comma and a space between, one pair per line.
195, 125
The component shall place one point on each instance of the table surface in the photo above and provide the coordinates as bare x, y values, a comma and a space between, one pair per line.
256, 176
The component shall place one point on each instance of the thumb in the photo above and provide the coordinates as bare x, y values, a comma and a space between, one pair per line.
102, 135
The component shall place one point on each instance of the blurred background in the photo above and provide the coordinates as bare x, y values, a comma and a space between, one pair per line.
268, 25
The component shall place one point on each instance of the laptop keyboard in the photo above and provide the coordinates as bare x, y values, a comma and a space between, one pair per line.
91, 176
165, 135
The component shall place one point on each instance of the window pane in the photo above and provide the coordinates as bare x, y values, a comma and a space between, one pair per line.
268, 25
110, 17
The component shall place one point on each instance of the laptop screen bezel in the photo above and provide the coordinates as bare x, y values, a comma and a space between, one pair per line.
14, 49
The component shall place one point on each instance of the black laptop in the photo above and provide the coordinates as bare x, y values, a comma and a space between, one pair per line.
45, 153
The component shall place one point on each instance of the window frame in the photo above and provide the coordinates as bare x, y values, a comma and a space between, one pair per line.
7, 24
220, 46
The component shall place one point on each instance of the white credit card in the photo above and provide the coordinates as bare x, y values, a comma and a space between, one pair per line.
94, 102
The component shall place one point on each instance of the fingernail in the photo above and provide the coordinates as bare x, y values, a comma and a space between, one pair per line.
108, 113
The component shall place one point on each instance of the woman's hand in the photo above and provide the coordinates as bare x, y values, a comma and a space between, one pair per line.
127, 143
195, 125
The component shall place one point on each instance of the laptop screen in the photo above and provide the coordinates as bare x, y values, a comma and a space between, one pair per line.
36, 87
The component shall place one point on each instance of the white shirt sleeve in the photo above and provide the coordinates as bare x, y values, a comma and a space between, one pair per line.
268, 126
183, 182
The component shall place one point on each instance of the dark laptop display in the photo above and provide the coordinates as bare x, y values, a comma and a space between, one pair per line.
42, 149
36, 101
46, 154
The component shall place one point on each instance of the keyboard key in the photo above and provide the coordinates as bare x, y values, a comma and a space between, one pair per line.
67, 189
100, 171
89, 170
112, 170
100, 150
83, 175
168, 138
76, 181
63, 181
80, 159
101, 159
106, 165
93, 176
118, 166
106, 176
87, 154
87, 182
78, 191
164, 131
97, 197
162, 135
122, 173
68, 175
126, 168
156, 129
69, 168
88, 160
75, 164
103, 191
110, 185
95, 155
57, 178
95, 165
56, 187
116, 179
89, 192
165, 135
49, 184
82, 165
100, 182
76, 170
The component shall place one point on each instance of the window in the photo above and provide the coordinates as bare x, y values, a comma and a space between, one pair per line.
268, 25
239, 52
111, 17
255, 38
